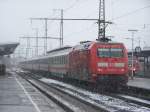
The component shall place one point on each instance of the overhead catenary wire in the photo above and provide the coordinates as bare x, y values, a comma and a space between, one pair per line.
85, 29
132, 12
72, 5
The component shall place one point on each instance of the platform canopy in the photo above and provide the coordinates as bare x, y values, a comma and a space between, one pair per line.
7, 48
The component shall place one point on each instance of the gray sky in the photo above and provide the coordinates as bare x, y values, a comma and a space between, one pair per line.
125, 14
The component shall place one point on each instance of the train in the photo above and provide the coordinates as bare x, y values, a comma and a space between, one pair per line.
90, 61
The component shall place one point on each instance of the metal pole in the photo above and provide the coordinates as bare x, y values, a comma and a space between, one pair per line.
37, 42
101, 21
45, 43
133, 31
28, 47
61, 28
132, 53
19, 53
62, 25
60, 34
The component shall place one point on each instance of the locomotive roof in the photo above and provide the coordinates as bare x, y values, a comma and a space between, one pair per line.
85, 45
110, 42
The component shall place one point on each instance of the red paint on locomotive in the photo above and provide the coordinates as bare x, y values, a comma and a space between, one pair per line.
86, 64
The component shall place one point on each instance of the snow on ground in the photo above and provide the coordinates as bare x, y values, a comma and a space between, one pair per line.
94, 98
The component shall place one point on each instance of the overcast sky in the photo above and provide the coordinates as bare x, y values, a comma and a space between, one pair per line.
125, 14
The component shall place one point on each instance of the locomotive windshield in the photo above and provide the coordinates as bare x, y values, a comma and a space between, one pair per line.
110, 52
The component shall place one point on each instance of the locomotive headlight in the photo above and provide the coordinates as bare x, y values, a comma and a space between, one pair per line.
102, 64
119, 64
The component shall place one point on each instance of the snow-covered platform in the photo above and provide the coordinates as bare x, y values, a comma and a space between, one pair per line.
17, 95
140, 83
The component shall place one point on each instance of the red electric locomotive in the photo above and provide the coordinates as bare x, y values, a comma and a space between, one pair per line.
98, 62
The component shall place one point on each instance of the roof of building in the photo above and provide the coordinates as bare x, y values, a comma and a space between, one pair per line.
7, 48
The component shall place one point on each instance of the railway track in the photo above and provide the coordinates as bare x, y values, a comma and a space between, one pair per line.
133, 94
63, 99
94, 100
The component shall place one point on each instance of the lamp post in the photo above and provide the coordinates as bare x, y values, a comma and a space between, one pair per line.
132, 39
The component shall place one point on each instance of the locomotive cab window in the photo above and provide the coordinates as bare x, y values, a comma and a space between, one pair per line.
110, 52
103, 52
116, 52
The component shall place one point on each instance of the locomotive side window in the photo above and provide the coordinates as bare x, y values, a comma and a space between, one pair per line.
116, 52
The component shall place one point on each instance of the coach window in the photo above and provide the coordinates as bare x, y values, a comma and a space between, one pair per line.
57, 59
49, 60
65, 60
54, 60
61, 59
